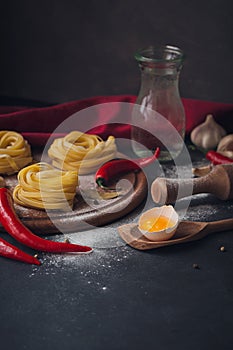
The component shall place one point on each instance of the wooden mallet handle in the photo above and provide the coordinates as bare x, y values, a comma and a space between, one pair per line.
218, 182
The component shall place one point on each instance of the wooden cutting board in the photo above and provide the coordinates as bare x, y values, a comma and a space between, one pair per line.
88, 210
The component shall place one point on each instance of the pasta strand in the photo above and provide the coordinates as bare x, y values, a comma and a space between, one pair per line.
15, 152
42, 186
82, 152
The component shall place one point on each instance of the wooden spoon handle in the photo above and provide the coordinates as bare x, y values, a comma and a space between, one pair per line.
218, 226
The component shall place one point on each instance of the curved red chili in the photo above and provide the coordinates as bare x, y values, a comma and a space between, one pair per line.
21, 233
217, 158
117, 167
9, 251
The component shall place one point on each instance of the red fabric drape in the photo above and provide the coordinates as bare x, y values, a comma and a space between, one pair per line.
37, 124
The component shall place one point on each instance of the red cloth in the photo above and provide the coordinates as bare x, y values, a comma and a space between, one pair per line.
37, 124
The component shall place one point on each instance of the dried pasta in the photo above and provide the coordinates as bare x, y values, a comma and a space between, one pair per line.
82, 152
15, 152
42, 186
2, 182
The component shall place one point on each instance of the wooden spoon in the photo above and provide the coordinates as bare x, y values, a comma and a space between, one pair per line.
187, 231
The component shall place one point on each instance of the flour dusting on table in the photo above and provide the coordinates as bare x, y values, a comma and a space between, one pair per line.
110, 250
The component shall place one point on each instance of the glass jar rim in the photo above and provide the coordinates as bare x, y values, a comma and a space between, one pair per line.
158, 54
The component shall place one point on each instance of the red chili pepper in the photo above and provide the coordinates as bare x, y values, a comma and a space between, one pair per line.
117, 167
217, 158
9, 251
21, 233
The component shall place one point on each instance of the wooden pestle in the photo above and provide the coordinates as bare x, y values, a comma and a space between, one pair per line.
218, 182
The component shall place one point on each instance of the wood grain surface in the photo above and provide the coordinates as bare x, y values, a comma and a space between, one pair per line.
89, 207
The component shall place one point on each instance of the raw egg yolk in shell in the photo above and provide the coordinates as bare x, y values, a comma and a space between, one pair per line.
154, 224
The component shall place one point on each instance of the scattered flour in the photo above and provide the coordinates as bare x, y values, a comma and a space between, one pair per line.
92, 267
110, 250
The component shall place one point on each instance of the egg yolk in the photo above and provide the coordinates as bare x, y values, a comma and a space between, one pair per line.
156, 224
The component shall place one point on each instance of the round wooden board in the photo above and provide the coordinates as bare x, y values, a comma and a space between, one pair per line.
87, 211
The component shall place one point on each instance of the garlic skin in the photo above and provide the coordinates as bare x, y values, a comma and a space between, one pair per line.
208, 134
226, 144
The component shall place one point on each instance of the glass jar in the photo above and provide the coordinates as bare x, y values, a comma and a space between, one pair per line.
158, 117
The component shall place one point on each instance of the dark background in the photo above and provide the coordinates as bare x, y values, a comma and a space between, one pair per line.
56, 51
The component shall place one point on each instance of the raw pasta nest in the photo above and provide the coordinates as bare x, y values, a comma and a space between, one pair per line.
42, 186
82, 152
15, 152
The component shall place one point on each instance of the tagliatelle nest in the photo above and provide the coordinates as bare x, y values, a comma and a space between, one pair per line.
44, 187
81, 152
15, 152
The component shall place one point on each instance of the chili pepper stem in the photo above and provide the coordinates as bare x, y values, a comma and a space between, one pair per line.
101, 183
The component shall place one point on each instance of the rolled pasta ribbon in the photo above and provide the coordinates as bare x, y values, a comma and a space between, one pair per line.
15, 152
82, 152
42, 186
2, 182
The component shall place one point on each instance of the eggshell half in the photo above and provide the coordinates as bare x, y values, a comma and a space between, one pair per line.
163, 235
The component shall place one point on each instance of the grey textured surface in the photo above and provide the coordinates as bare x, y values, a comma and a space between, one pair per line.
121, 298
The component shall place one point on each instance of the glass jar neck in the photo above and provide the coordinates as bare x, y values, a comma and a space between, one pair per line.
160, 69
160, 61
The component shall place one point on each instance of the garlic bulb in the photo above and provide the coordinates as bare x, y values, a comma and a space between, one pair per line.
208, 134
226, 144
